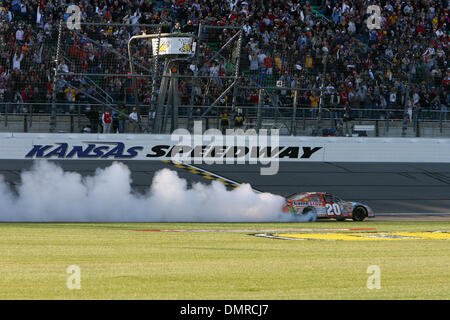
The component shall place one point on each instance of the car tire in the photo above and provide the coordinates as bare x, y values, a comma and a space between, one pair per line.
359, 213
309, 213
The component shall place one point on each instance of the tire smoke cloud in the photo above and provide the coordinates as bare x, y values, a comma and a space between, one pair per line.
47, 193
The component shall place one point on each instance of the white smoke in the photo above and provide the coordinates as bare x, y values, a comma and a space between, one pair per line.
49, 194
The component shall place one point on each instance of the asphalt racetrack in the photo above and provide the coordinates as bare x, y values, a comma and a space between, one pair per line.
393, 190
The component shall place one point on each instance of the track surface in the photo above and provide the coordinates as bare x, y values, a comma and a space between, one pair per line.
401, 189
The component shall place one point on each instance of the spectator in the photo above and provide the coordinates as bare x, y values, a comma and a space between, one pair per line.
335, 100
134, 121
122, 117
410, 109
224, 120
115, 121
347, 119
18, 57
107, 120
239, 119
314, 104
412, 41
93, 117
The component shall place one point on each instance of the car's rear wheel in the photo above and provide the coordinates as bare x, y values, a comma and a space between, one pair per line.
307, 210
359, 213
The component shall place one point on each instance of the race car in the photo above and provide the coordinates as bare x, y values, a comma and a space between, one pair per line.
326, 205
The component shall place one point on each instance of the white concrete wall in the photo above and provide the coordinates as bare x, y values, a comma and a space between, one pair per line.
301, 149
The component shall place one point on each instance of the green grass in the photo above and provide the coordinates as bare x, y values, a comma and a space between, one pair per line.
119, 263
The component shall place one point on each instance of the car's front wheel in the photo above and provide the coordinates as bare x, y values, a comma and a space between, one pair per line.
359, 213
309, 214
308, 210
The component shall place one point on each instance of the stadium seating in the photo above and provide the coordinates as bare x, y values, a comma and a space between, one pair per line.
304, 44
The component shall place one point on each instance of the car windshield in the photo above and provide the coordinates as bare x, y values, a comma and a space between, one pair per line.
314, 198
331, 198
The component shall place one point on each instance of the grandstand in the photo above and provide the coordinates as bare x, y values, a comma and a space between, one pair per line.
294, 65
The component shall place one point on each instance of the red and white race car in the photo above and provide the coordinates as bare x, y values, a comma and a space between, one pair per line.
326, 205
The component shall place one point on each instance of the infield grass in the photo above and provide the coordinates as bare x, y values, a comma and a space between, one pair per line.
118, 262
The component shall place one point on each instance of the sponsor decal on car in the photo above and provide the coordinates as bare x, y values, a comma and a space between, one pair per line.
366, 236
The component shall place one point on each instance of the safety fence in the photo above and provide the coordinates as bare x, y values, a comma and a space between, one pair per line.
66, 71
303, 120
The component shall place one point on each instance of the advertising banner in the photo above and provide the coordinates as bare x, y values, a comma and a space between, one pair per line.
213, 149
173, 45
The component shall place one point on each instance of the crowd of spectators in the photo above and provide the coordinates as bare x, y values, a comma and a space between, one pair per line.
403, 64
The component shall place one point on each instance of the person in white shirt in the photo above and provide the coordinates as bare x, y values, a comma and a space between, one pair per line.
127, 19
136, 16
63, 67
416, 98
23, 9
261, 57
345, 6
193, 67
244, 9
253, 62
393, 99
214, 72
17, 59
232, 4
253, 45
19, 34
351, 27
134, 121
408, 9
196, 6
410, 109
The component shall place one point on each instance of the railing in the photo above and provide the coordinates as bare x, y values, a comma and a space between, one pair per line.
305, 118
268, 111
